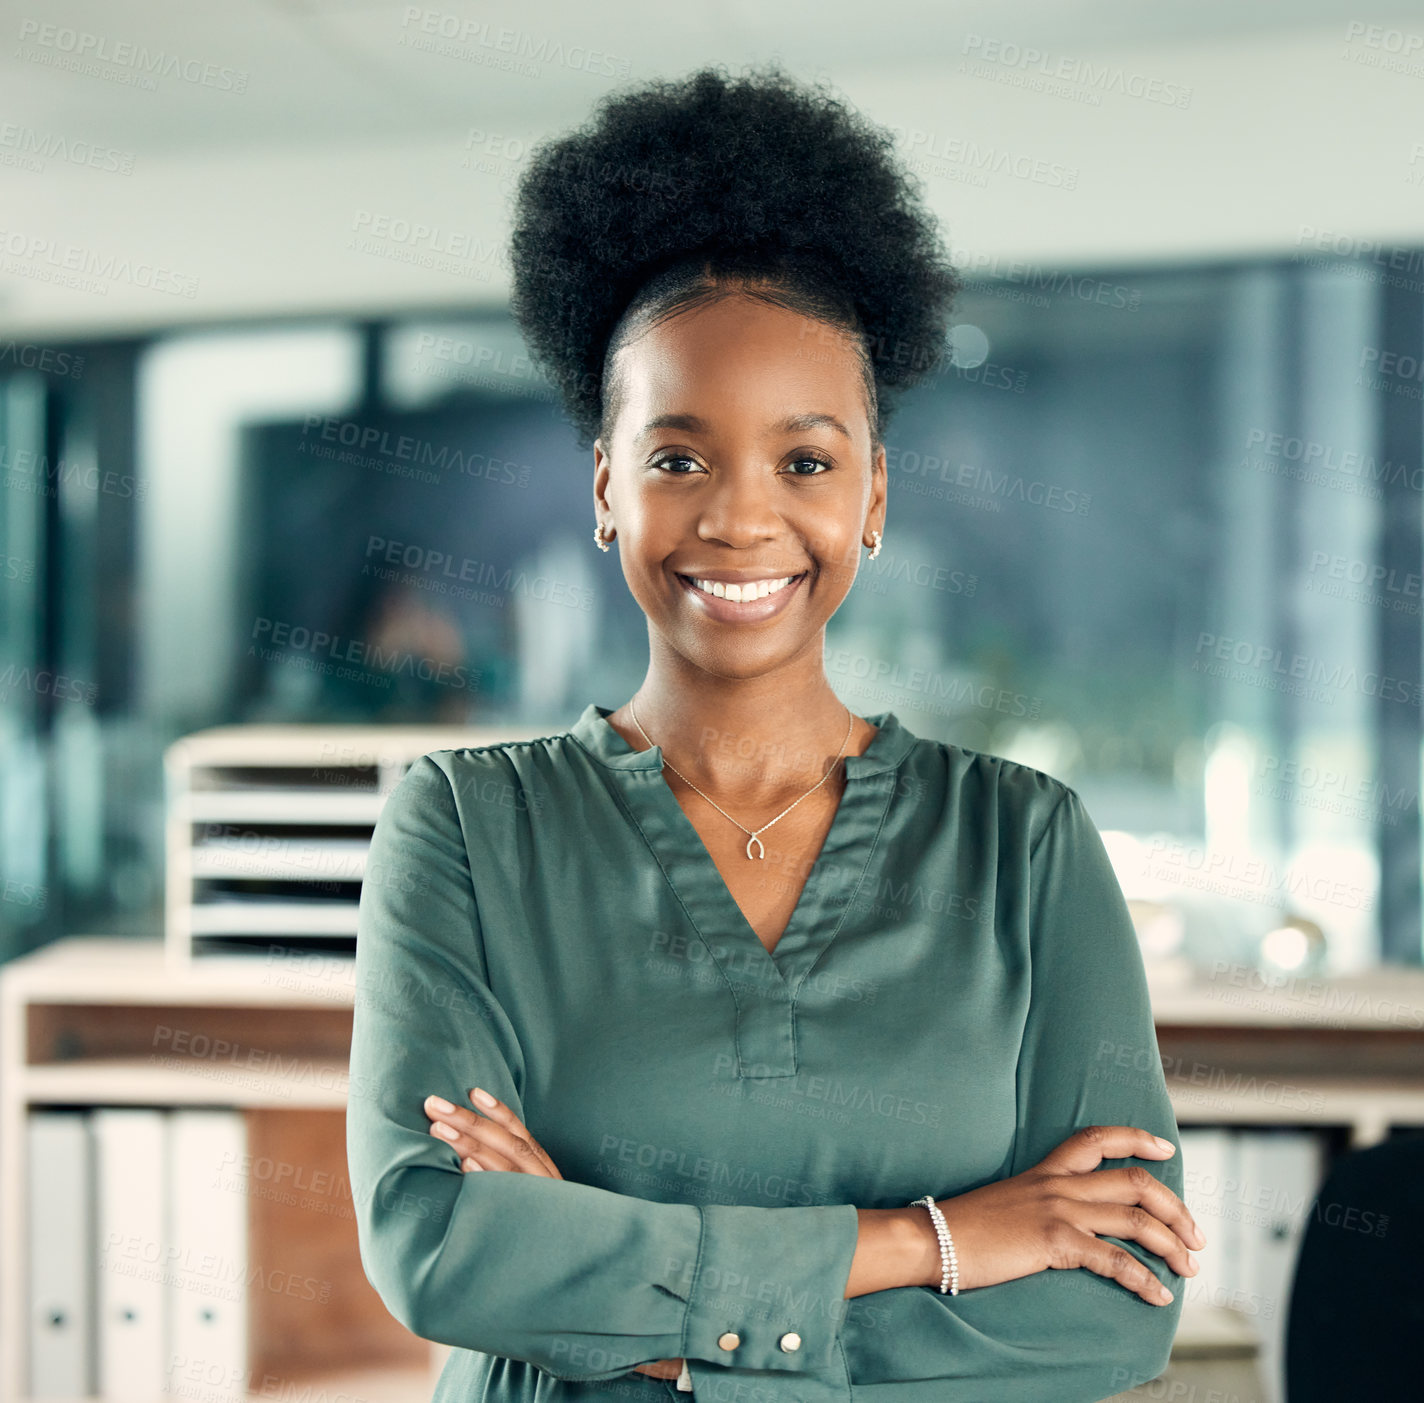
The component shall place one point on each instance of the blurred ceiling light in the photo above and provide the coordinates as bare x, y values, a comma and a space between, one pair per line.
968, 346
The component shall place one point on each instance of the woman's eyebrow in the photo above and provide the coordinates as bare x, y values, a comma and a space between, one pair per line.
793, 423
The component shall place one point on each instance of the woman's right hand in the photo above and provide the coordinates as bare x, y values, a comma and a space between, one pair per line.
1047, 1217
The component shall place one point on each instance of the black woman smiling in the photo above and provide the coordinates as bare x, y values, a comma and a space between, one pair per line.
730, 1042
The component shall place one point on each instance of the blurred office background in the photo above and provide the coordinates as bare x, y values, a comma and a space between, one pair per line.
261, 403
273, 452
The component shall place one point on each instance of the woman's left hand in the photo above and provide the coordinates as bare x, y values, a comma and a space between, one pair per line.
497, 1140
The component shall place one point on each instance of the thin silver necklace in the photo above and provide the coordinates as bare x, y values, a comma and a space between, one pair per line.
753, 835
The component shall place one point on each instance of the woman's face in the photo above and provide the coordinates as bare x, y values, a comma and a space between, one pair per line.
741, 452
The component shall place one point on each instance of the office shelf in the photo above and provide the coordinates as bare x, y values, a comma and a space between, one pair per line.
267, 828
97, 1020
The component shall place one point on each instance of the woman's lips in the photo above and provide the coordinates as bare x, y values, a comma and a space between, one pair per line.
746, 610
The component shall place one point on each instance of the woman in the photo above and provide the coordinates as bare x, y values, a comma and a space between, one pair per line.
667, 1022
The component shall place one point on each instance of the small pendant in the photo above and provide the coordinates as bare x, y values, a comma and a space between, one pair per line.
758, 842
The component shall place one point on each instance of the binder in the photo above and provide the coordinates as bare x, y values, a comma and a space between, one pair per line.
60, 1241
1210, 1183
207, 1296
130, 1174
1281, 1172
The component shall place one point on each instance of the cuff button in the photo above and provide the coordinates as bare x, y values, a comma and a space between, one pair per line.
730, 1340
790, 1341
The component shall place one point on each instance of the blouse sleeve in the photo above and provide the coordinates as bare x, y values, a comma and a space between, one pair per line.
577, 1280
1088, 1056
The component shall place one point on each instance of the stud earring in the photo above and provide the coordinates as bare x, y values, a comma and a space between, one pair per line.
876, 550
599, 537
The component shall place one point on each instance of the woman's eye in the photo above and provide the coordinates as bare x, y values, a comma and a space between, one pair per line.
817, 466
675, 458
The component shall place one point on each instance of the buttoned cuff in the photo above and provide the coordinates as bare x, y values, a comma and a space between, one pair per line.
768, 1288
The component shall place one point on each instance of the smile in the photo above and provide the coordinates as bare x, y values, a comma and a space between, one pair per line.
754, 599
753, 589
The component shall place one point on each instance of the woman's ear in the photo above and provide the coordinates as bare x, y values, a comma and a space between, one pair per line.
600, 476
878, 489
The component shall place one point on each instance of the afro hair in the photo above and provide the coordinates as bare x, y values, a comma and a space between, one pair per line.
679, 189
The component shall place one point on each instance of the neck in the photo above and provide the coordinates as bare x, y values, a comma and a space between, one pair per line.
744, 740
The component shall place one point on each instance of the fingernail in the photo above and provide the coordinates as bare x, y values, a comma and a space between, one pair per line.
1166, 1294
439, 1102
1163, 1144
447, 1131
470, 1166
483, 1097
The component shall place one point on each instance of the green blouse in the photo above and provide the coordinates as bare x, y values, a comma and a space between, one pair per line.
959, 989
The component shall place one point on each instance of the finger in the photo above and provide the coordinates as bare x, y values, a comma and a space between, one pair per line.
492, 1144
481, 1157
1074, 1248
1127, 1220
498, 1112
1085, 1149
661, 1368
1134, 1184
470, 1145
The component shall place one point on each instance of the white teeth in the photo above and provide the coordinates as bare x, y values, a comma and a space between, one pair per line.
753, 589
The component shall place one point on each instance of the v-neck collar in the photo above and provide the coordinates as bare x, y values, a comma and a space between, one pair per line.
764, 984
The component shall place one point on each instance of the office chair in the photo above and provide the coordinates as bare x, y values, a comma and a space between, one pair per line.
1355, 1324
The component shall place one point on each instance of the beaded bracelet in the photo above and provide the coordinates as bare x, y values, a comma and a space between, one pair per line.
949, 1263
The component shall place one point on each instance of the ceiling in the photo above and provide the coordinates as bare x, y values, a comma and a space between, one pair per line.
246, 171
